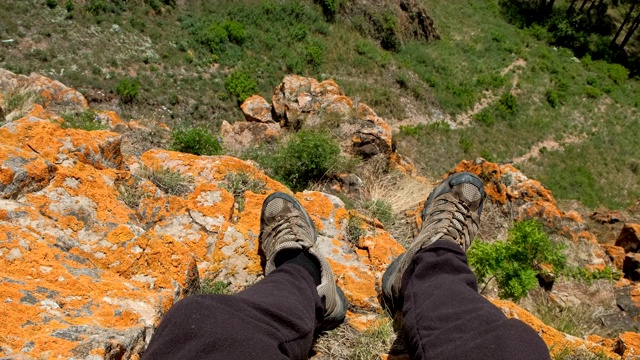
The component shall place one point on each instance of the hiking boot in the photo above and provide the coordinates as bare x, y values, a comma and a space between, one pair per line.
451, 212
285, 225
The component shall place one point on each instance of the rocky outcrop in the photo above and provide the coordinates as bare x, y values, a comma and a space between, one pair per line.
87, 273
305, 103
53, 94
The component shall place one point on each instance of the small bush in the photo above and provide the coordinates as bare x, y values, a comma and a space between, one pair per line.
618, 73
484, 117
513, 263
509, 103
52, 4
197, 141
410, 130
214, 287
465, 144
69, 6
131, 193
238, 183
592, 92
235, 32
305, 158
167, 180
314, 53
85, 120
553, 98
127, 90
213, 37
240, 85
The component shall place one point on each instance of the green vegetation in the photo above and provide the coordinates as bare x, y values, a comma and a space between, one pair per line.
354, 230
197, 141
306, 157
85, 120
608, 273
514, 263
239, 182
167, 180
131, 193
214, 287
196, 60
127, 90
381, 210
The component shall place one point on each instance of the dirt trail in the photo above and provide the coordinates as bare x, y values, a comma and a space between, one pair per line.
548, 145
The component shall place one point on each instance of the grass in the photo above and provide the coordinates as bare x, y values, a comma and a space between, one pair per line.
239, 182
169, 181
85, 120
214, 287
347, 343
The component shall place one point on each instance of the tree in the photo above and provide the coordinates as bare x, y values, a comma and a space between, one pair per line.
623, 24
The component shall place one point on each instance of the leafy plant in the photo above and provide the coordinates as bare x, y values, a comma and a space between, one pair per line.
127, 90
51, 4
197, 141
131, 193
240, 85
514, 263
235, 32
354, 230
305, 158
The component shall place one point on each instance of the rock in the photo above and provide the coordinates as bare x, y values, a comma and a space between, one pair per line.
111, 120
373, 137
606, 217
2, 115
256, 108
616, 255
418, 24
53, 93
629, 238
23, 172
242, 134
631, 266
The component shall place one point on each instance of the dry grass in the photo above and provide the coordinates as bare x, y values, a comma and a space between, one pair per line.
347, 343
19, 102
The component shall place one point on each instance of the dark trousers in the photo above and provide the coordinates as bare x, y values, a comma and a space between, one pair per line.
444, 318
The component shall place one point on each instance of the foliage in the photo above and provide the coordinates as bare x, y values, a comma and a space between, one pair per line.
197, 141
127, 90
85, 120
588, 275
330, 7
167, 180
354, 230
214, 287
69, 6
513, 263
305, 158
131, 193
235, 32
51, 4
381, 210
240, 85
239, 182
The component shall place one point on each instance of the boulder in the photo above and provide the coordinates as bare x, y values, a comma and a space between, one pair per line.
256, 108
607, 216
629, 238
243, 134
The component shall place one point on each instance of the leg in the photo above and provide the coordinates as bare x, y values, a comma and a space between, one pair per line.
435, 291
273, 319
445, 318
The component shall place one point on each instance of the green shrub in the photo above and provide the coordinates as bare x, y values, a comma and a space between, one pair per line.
314, 53
127, 90
608, 273
592, 92
484, 117
553, 98
514, 263
197, 141
411, 130
214, 287
69, 6
305, 158
330, 7
618, 73
213, 36
85, 120
509, 103
51, 4
235, 32
240, 85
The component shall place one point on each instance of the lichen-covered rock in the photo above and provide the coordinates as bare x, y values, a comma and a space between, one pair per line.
256, 108
111, 120
243, 134
53, 93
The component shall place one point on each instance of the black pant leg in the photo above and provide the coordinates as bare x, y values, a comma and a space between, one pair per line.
273, 319
444, 317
